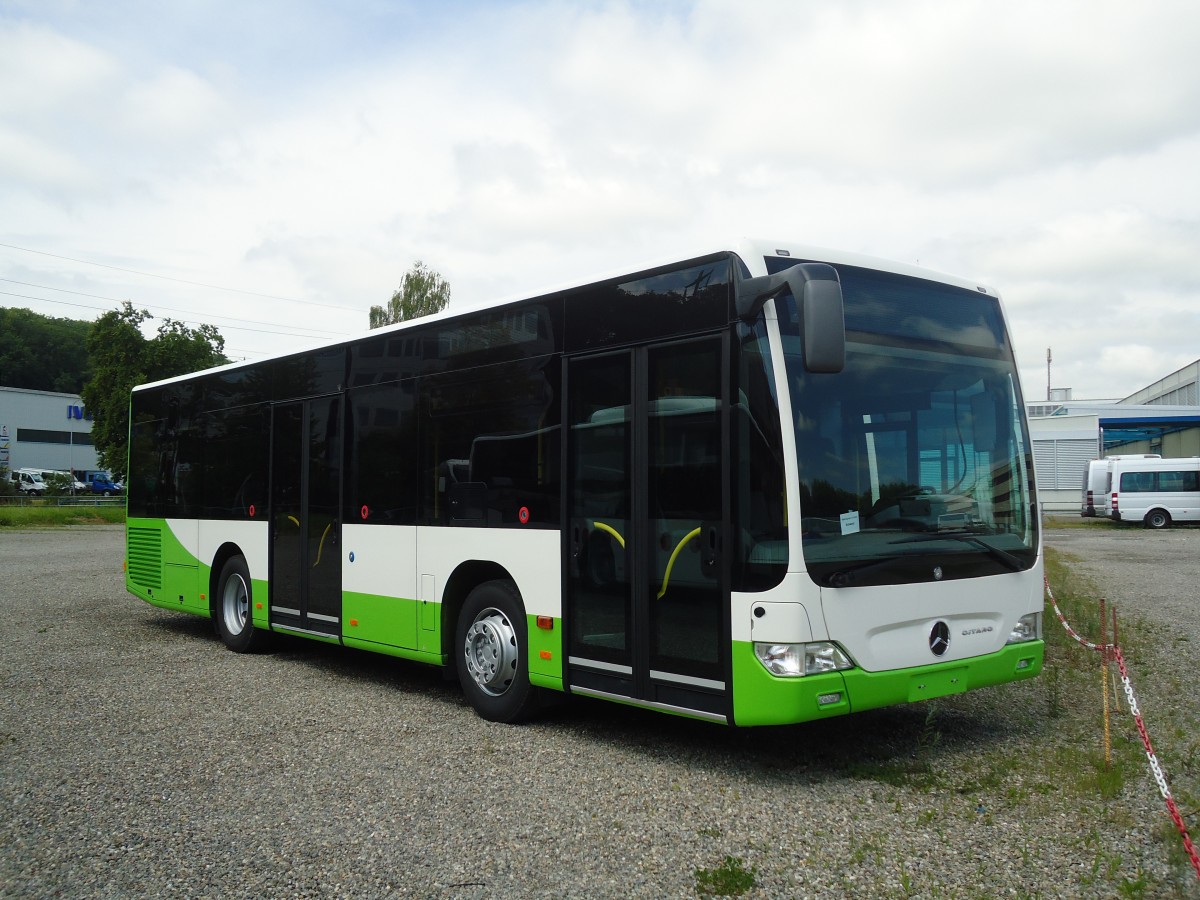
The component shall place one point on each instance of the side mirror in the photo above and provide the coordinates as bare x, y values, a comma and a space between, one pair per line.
818, 295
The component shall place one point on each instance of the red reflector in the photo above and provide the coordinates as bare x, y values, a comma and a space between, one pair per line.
546, 654
545, 622
354, 623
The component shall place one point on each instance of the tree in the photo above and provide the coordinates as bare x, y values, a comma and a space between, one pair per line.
423, 291
122, 357
42, 353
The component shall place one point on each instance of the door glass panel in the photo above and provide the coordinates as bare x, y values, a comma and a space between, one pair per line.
599, 509
324, 477
684, 513
286, 510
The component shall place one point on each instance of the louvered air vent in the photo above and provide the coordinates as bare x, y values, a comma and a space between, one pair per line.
144, 554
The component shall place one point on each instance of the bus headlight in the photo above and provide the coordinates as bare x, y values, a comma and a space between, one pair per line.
795, 660
1028, 628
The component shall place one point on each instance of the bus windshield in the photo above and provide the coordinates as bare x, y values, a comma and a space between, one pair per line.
913, 461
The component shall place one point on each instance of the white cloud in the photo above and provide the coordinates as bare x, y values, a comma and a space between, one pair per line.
304, 151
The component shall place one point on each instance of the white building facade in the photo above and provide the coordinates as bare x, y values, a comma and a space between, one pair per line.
45, 430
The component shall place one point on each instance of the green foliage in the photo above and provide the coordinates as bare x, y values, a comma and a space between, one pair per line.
123, 357
421, 293
730, 879
41, 353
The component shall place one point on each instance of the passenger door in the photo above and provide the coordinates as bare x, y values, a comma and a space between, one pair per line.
306, 582
646, 581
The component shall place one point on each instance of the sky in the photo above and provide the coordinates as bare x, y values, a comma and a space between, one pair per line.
274, 168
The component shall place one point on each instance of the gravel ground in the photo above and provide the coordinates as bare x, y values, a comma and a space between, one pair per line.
140, 758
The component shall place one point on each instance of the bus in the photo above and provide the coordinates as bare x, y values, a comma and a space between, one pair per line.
762, 485
1155, 491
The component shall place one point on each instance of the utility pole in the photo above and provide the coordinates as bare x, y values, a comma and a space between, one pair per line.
1048, 360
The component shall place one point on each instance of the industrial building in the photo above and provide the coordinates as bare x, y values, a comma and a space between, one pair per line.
1162, 418
45, 430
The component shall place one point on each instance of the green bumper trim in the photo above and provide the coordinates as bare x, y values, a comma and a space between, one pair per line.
545, 653
760, 698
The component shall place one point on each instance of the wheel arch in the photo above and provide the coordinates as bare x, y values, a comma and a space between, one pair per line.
1148, 519
464, 579
225, 552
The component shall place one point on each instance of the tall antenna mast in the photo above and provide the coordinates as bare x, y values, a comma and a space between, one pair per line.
1048, 361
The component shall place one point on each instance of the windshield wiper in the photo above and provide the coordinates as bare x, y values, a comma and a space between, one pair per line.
967, 537
847, 576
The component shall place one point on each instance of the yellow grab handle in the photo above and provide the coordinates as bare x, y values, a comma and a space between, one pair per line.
603, 527
671, 562
321, 546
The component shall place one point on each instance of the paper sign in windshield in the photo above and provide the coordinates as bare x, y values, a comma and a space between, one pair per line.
850, 522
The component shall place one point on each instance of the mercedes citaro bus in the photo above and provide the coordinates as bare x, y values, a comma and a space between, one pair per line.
760, 485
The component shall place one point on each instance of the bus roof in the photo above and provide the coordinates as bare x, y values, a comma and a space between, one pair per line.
752, 251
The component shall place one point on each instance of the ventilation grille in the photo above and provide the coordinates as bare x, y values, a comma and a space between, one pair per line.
144, 554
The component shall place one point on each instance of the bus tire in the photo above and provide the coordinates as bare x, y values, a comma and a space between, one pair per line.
490, 653
234, 600
1157, 518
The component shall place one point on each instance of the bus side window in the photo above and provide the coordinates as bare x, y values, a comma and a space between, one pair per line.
491, 437
759, 511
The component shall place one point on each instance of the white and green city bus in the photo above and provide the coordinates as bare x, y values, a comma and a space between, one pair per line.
763, 485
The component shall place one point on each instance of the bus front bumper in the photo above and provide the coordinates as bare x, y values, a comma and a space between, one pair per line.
760, 698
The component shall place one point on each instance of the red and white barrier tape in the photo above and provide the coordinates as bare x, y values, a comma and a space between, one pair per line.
1156, 770
1067, 625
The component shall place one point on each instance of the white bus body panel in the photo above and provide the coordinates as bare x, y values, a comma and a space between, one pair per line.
385, 560
252, 538
533, 557
888, 627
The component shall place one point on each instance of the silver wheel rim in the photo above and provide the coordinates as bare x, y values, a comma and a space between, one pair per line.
235, 604
490, 652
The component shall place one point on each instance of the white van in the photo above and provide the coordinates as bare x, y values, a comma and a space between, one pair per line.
1156, 492
1097, 484
28, 481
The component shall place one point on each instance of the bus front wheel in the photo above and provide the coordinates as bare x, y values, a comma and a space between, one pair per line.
234, 598
1158, 518
491, 646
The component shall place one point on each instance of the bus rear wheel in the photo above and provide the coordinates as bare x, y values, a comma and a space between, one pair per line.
1158, 518
235, 596
491, 646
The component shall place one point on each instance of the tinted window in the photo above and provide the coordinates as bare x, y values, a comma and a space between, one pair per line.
235, 443
386, 358
381, 485
163, 477
237, 387
493, 336
1177, 481
1148, 482
490, 445
661, 304
309, 374
761, 552
903, 307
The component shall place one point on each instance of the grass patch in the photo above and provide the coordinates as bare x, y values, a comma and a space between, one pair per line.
60, 516
730, 879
